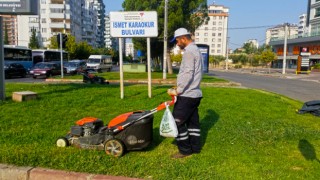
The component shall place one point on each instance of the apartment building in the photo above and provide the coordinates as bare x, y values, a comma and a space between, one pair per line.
302, 27
9, 24
214, 33
79, 18
254, 42
278, 31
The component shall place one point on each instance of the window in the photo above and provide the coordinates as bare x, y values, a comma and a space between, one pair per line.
206, 28
43, 1
317, 14
43, 11
220, 29
43, 20
205, 34
197, 34
212, 51
197, 39
44, 30
205, 39
220, 23
213, 40
213, 34
214, 23
213, 45
219, 34
33, 20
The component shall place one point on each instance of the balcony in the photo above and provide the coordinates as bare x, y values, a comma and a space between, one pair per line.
59, 25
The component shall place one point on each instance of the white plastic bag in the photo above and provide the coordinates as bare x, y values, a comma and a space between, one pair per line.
168, 127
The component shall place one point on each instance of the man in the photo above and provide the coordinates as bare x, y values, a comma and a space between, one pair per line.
188, 94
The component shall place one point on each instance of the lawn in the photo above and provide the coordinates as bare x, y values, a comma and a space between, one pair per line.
246, 134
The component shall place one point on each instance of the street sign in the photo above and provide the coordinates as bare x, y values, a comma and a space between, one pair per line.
19, 7
134, 24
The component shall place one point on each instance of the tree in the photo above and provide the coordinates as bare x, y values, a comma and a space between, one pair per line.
83, 50
53, 43
250, 48
189, 14
34, 43
71, 47
215, 59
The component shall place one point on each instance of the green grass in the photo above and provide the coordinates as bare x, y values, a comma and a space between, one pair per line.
130, 75
246, 134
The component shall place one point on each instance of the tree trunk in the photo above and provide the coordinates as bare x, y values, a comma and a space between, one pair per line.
169, 63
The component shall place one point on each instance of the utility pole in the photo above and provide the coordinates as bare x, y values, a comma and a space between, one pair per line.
2, 79
285, 49
227, 53
165, 39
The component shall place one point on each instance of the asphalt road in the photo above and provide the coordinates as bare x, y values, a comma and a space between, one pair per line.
298, 89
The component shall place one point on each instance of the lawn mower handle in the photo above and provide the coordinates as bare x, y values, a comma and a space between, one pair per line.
170, 103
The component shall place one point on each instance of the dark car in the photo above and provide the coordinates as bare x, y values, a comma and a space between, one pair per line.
46, 69
76, 66
14, 70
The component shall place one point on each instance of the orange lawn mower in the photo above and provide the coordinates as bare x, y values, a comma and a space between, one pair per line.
126, 132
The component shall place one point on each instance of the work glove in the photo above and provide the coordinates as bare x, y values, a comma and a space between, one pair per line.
172, 91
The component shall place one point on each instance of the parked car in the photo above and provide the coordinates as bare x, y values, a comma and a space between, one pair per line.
46, 69
75, 66
14, 70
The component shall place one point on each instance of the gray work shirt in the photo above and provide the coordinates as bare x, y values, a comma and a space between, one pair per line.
190, 73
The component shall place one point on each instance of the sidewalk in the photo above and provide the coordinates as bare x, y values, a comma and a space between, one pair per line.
289, 73
9, 172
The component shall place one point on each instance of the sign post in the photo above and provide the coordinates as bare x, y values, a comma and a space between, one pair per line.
13, 7
303, 61
134, 24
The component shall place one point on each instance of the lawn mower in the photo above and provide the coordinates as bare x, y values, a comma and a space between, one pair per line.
88, 77
126, 132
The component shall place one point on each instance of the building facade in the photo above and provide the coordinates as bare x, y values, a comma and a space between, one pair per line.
310, 40
214, 33
279, 32
10, 26
79, 18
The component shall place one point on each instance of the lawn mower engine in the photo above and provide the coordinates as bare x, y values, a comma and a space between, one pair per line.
129, 131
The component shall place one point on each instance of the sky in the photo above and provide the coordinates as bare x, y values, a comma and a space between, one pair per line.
248, 19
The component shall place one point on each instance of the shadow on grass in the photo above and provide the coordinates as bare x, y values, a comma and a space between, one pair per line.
307, 150
207, 123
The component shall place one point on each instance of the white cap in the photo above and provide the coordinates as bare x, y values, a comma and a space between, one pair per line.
180, 32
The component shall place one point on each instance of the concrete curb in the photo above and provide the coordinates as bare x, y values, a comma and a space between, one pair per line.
9, 172
154, 81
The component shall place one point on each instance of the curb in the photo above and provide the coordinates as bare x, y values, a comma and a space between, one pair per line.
10, 172
154, 81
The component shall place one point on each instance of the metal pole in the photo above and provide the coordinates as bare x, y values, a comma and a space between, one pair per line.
149, 67
2, 81
121, 68
285, 49
227, 53
61, 55
165, 39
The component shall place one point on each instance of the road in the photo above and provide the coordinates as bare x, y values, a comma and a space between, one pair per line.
299, 89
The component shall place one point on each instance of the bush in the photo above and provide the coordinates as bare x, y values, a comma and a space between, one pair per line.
237, 66
316, 66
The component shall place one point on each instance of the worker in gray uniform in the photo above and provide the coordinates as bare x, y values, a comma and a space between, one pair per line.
188, 94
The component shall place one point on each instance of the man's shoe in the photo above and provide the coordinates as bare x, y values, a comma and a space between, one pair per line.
179, 155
